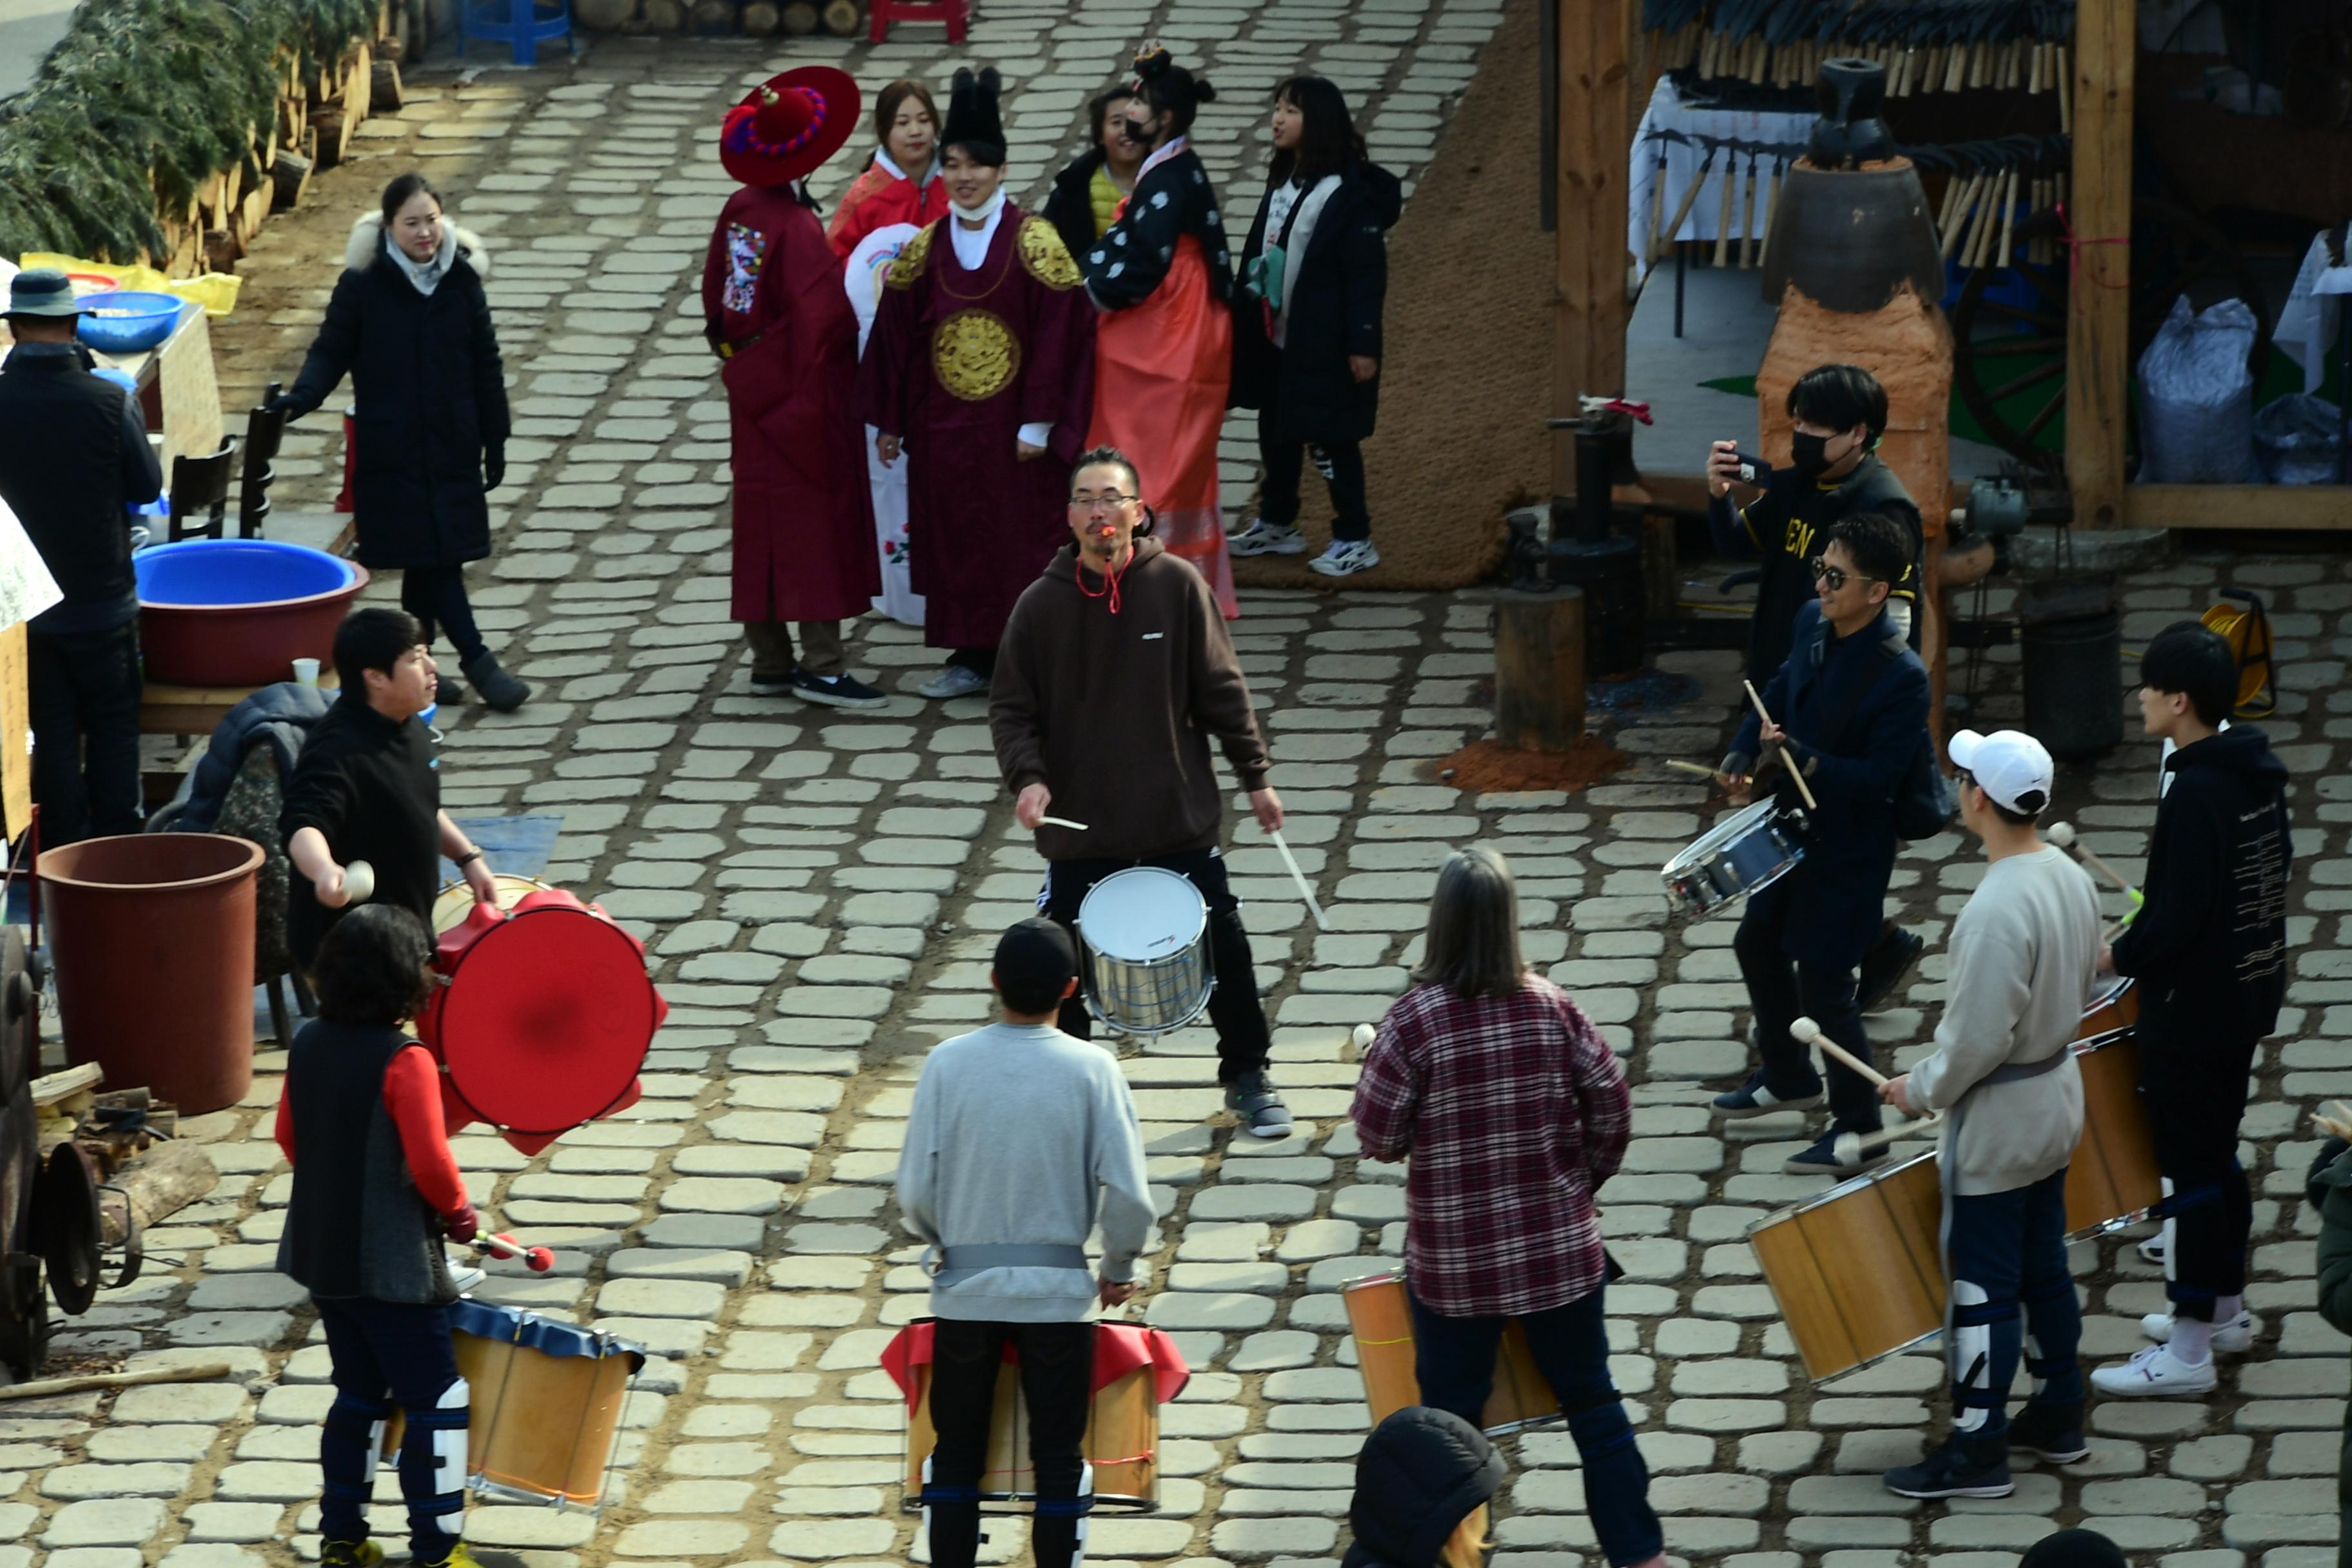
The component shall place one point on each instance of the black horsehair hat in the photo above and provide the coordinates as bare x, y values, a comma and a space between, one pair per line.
974, 123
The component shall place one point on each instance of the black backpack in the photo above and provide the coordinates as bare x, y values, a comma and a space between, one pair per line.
1923, 799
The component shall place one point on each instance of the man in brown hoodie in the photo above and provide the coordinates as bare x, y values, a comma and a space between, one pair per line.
1114, 673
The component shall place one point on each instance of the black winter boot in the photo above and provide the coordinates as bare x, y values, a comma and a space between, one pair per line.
501, 691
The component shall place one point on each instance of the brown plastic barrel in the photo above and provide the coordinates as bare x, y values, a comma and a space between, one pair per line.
150, 935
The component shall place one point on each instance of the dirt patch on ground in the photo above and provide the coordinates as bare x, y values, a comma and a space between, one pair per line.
1467, 370
1492, 766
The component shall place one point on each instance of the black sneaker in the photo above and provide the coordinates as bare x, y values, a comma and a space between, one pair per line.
771, 685
2053, 1431
1253, 1098
1752, 1099
1963, 1467
1822, 1159
836, 690
1889, 961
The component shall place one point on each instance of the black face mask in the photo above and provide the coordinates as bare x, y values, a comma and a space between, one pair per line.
1809, 455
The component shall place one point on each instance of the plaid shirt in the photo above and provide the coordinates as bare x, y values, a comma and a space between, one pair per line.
1514, 1110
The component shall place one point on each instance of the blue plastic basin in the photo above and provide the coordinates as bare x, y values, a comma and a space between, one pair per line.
133, 322
238, 612
236, 572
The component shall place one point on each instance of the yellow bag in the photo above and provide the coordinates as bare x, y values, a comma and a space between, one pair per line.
216, 292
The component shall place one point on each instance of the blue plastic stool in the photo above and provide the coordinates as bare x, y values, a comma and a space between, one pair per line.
517, 22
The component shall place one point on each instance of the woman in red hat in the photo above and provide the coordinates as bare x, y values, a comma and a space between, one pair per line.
774, 311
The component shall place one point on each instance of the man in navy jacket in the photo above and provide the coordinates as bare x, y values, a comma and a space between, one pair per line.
1850, 713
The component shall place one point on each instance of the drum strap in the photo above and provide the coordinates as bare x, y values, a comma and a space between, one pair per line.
963, 1260
2018, 1072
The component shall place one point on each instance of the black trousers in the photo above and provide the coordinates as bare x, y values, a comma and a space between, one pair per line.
82, 698
436, 595
1779, 991
1341, 464
379, 1354
2194, 1084
1058, 1361
1243, 1042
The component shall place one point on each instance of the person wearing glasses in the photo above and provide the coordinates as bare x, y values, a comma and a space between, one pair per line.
1115, 674
982, 365
1849, 711
1839, 413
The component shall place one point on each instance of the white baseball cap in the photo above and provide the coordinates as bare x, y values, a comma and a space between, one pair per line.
2007, 764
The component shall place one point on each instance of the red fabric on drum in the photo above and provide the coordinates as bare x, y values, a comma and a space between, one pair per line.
1120, 1348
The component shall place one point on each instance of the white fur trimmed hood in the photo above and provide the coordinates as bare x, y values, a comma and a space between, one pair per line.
367, 242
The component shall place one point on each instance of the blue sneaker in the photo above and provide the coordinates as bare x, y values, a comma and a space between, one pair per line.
1961, 1467
1752, 1099
1821, 1159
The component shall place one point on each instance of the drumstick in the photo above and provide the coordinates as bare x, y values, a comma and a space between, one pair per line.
1703, 771
1805, 1032
2062, 833
1064, 822
538, 1260
1850, 1147
1803, 788
1299, 877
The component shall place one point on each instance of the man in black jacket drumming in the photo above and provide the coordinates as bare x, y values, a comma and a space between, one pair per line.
1840, 412
2209, 950
1849, 712
73, 459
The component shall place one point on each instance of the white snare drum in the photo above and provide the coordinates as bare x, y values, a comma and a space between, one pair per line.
1145, 935
1751, 850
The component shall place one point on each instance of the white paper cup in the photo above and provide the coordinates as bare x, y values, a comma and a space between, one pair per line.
306, 671
359, 881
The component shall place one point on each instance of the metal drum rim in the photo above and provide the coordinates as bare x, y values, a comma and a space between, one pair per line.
1199, 930
1722, 833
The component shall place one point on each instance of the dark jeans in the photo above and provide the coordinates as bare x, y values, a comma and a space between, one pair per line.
1057, 1362
2006, 1255
2196, 1093
1341, 464
1455, 1360
82, 698
386, 1353
1242, 1043
1781, 992
436, 595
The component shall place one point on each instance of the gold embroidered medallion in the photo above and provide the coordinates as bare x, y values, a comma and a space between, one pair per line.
910, 262
975, 355
1045, 257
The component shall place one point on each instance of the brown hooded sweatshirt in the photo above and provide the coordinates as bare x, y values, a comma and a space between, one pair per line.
1113, 712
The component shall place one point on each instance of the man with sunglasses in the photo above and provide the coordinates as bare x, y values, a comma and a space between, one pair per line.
1115, 674
1849, 711
1839, 413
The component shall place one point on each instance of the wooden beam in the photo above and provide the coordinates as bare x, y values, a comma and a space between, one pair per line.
2098, 321
2252, 507
1595, 145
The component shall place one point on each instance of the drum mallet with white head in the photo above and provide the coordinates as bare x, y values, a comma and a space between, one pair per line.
1849, 1147
1299, 877
2062, 833
1805, 1032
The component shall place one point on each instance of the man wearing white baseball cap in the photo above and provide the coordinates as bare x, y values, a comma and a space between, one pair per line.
2024, 955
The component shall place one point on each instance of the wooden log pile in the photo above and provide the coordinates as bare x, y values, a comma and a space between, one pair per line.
317, 112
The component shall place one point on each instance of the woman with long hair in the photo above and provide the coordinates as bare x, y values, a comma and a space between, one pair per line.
1084, 202
410, 325
1163, 349
1306, 323
903, 184
1515, 1112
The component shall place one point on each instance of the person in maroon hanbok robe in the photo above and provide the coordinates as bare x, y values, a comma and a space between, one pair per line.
774, 311
980, 370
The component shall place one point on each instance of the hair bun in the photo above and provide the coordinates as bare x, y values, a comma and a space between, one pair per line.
1153, 60
1202, 92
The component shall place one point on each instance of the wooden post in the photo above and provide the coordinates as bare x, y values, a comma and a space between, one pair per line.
1539, 669
2098, 318
1588, 233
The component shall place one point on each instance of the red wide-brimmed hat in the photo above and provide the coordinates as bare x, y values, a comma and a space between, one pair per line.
789, 126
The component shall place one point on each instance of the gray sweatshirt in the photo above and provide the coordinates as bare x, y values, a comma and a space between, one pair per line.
2025, 955
1016, 1131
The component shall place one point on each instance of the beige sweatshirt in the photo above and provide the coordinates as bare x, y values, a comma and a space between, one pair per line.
2024, 957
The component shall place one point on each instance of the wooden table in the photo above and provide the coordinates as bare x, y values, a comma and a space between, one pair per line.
167, 710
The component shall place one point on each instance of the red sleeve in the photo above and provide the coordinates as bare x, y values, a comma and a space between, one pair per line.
412, 1092
285, 1132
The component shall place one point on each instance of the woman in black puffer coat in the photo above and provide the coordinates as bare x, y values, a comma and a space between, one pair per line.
1306, 323
1422, 1473
410, 325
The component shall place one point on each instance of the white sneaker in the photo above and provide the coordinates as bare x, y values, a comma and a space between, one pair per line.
1346, 558
1263, 538
2155, 1371
2236, 1335
953, 680
2152, 1249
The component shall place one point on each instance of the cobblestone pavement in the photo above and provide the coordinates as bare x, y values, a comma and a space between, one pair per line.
820, 891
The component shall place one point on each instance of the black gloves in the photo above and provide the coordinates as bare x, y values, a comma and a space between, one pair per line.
494, 466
